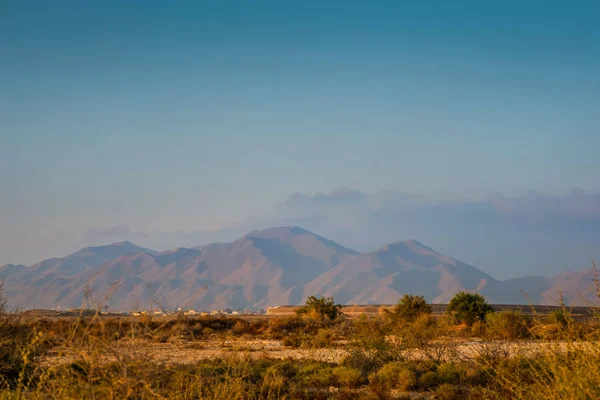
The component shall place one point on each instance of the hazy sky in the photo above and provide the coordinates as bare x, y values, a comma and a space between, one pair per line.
155, 116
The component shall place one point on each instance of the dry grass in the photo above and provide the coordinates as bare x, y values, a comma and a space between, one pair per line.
302, 357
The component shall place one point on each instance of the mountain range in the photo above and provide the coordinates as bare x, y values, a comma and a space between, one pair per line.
275, 266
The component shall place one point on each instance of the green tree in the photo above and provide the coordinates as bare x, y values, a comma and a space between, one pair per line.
322, 306
410, 307
469, 307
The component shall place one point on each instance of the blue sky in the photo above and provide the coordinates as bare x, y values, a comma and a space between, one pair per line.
198, 116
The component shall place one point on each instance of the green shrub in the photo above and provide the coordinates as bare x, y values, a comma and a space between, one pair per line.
552, 375
398, 376
469, 307
274, 384
293, 340
323, 338
347, 376
391, 373
559, 317
428, 380
19, 345
421, 366
475, 374
447, 391
420, 332
410, 307
316, 375
478, 329
369, 348
279, 327
380, 385
508, 325
407, 380
323, 307
451, 373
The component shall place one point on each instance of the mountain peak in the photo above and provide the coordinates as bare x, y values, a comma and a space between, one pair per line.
121, 247
124, 243
279, 230
412, 245
9, 269
286, 234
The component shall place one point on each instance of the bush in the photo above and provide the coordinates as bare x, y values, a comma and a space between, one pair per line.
369, 349
410, 307
422, 366
293, 340
19, 345
316, 375
424, 329
380, 385
241, 327
447, 391
323, 338
422, 335
478, 329
391, 373
348, 377
398, 376
407, 380
451, 373
508, 325
428, 380
469, 307
323, 307
279, 327
560, 317
551, 375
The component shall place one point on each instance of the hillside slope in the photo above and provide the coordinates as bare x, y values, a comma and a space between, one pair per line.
275, 266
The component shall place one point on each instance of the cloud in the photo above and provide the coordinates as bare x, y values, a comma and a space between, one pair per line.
532, 234
576, 204
336, 198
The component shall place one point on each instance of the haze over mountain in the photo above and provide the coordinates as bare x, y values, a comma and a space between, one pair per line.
275, 266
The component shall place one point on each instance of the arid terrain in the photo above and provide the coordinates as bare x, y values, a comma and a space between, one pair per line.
467, 350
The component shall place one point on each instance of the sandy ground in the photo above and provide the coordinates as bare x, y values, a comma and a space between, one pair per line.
192, 352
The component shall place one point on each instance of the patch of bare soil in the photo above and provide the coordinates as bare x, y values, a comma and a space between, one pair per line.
192, 352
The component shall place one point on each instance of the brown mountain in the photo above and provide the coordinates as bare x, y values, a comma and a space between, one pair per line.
43, 284
382, 276
263, 267
575, 287
274, 266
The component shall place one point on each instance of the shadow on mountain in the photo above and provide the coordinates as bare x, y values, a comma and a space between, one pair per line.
297, 269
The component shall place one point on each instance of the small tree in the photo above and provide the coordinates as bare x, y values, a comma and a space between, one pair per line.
410, 307
323, 307
469, 307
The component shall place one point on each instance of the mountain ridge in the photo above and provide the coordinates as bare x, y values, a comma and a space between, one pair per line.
274, 266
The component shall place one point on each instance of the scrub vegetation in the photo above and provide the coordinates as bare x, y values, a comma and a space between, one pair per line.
471, 352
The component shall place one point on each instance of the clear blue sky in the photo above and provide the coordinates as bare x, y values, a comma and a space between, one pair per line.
190, 115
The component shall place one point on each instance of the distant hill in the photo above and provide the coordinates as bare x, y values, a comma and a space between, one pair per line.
275, 266
261, 268
44, 283
382, 276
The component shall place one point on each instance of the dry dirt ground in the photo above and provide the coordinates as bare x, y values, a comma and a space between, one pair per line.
191, 352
